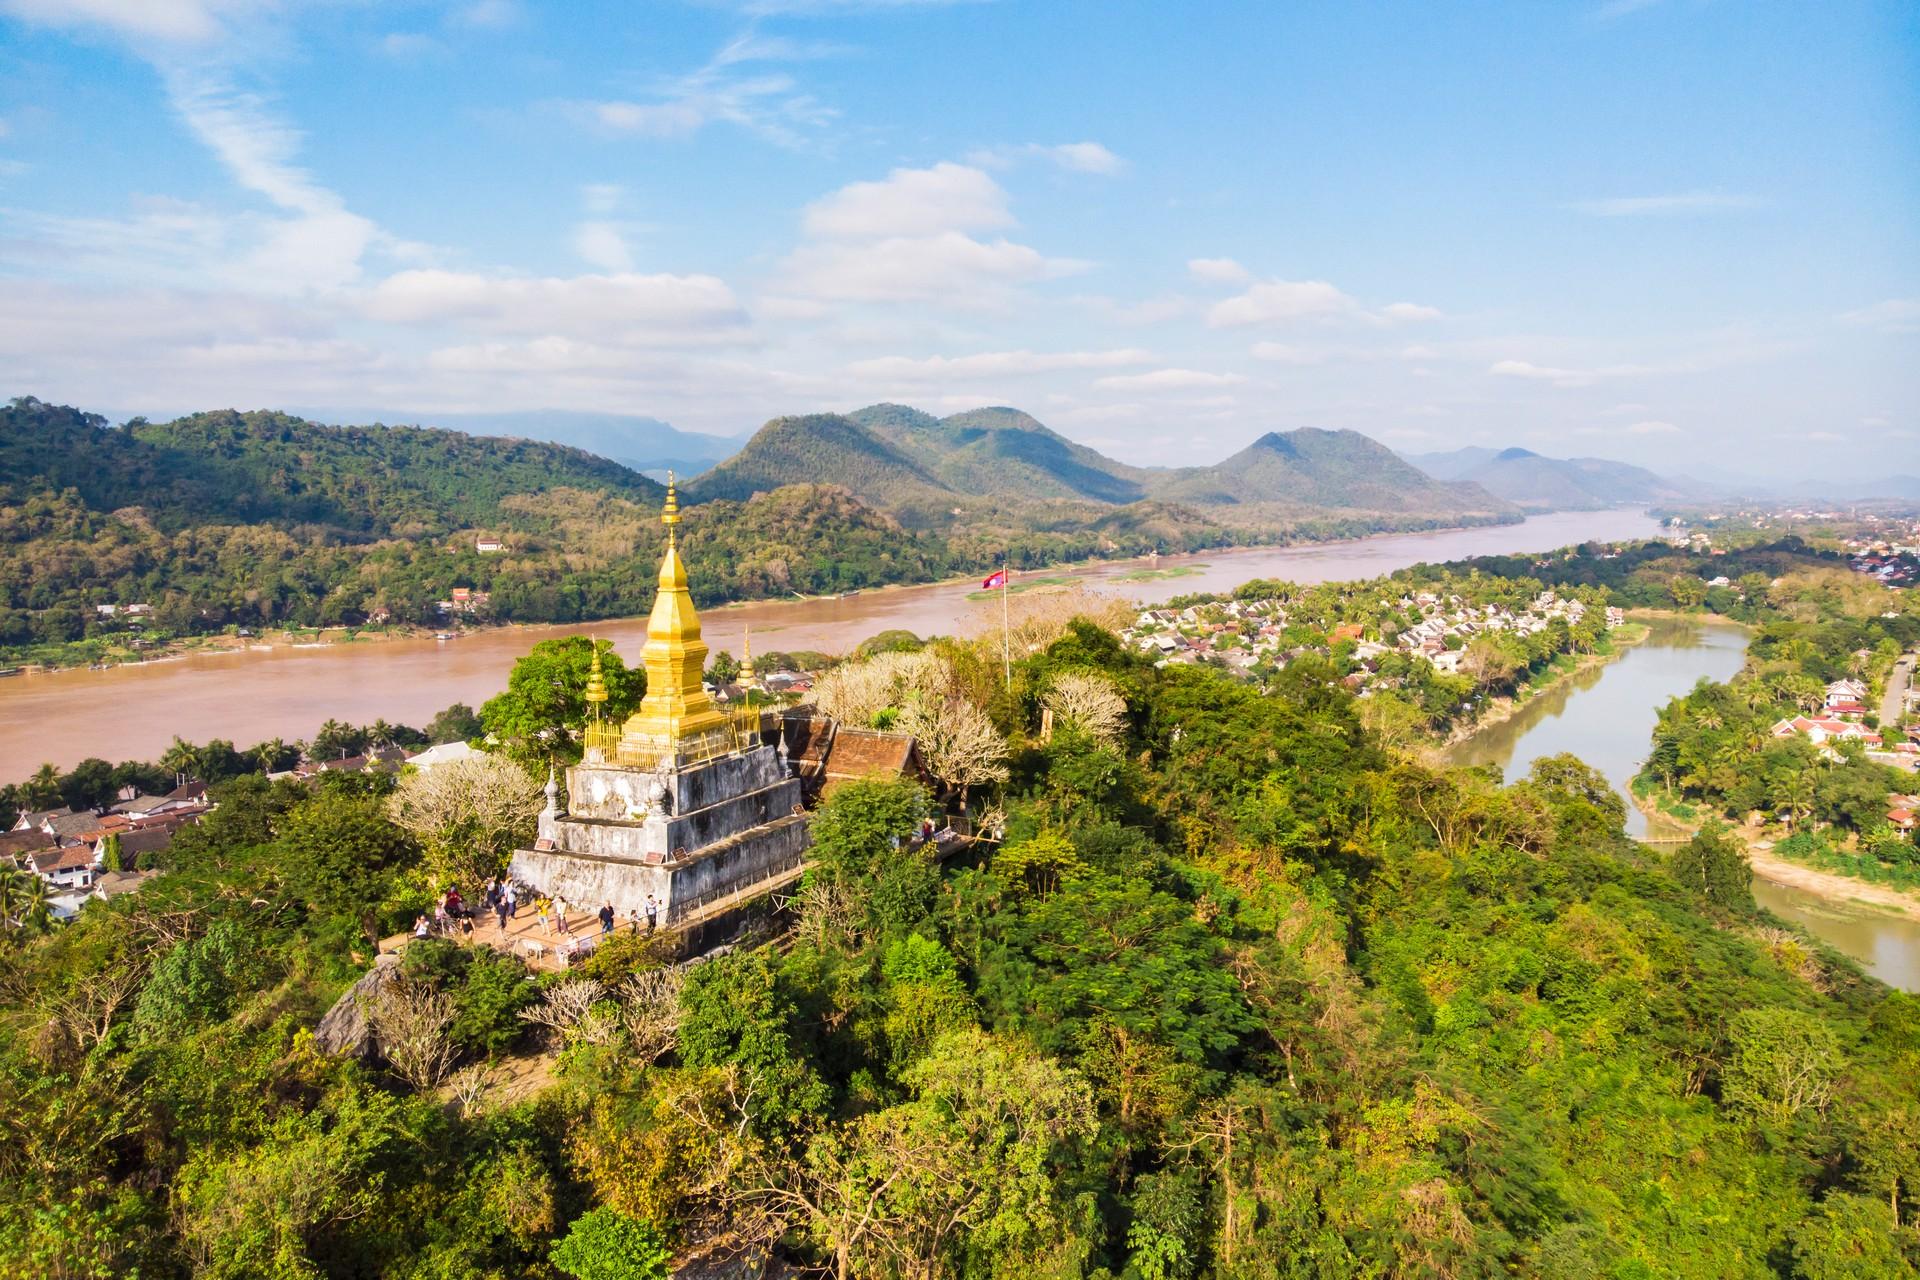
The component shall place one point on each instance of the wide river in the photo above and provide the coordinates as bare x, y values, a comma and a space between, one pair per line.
133, 712
1605, 715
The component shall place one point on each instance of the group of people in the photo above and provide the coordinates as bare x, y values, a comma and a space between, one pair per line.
502, 898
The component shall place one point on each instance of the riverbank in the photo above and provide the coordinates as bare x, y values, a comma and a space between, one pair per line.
1498, 711
1829, 885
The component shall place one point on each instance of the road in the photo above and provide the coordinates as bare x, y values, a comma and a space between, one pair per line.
1892, 706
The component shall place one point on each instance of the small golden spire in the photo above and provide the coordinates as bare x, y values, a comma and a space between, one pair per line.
596, 683
671, 516
746, 657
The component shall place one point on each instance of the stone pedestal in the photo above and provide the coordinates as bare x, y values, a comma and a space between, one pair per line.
686, 836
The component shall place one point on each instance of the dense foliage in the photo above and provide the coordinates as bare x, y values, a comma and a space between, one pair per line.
1242, 993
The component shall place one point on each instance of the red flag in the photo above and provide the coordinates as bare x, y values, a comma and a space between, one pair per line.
998, 578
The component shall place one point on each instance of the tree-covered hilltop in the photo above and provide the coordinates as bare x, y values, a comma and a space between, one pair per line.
1240, 994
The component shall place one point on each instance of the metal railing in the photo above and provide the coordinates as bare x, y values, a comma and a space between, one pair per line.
742, 731
680, 909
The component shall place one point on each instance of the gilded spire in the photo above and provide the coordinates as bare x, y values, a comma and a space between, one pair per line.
671, 516
677, 717
746, 657
596, 683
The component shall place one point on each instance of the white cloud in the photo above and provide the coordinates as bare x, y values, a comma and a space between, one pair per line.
1895, 315
621, 307
1288, 353
1408, 312
1542, 373
487, 14
185, 21
1075, 157
1217, 270
1657, 205
950, 267
1276, 301
405, 46
993, 364
905, 238
1824, 437
1652, 427
911, 202
600, 244
1143, 312
1169, 380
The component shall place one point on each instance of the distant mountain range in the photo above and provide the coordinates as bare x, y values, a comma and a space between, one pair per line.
922, 468
643, 444
1535, 482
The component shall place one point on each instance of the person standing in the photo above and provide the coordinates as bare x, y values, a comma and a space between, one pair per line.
513, 901
560, 915
633, 920
653, 913
606, 919
500, 910
544, 909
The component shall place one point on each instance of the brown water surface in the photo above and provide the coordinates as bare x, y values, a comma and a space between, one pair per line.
133, 712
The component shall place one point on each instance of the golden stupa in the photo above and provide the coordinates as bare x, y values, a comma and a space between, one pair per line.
677, 721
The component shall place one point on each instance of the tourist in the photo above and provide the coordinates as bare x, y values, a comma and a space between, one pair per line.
560, 917
513, 901
543, 907
440, 918
421, 928
606, 919
653, 913
633, 920
500, 910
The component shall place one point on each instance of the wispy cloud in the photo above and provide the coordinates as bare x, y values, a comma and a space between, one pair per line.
1169, 380
768, 103
993, 364
1616, 9
1218, 271
1895, 315
1075, 157
1654, 206
1278, 302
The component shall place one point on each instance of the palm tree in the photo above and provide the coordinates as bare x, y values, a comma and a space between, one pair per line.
34, 911
1794, 791
182, 759
12, 895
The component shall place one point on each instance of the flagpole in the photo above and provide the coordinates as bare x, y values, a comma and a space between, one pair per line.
1006, 628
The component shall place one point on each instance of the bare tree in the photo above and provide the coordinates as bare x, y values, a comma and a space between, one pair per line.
410, 1020
959, 743
469, 1085
857, 692
1089, 702
650, 1011
468, 814
565, 1006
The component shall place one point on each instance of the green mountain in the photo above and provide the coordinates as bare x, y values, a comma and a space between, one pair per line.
274, 469
1309, 469
1004, 453
930, 470
644, 444
259, 519
822, 448
1538, 483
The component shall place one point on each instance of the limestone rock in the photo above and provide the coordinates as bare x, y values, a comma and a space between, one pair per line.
344, 1029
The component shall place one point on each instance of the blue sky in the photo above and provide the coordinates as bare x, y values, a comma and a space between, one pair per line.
1681, 232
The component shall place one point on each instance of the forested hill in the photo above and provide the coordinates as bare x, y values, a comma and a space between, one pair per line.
1540, 483
247, 468
1309, 468
925, 469
258, 519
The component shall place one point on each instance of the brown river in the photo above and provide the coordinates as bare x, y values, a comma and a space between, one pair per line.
133, 712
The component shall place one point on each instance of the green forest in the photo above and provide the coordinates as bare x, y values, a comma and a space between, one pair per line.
1242, 992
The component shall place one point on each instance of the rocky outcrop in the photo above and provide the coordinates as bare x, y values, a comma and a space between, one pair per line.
344, 1029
